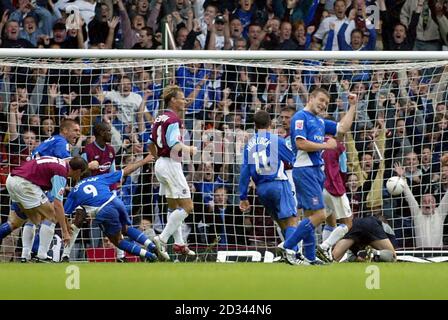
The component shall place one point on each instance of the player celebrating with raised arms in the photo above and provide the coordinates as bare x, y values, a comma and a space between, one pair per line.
167, 138
308, 131
264, 160
94, 195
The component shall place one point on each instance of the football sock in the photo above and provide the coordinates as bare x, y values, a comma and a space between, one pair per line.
326, 232
46, 234
338, 233
309, 246
140, 237
5, 229
288, 232
28, 232
135, 249
304, 228
174, 222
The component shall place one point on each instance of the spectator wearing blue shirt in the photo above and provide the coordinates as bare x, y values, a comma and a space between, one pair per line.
245, 13
192, 79
26, 9
357, 37
295, 10
153, 91
30, 31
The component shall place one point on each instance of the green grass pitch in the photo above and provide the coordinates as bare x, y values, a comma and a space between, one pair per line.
210, 281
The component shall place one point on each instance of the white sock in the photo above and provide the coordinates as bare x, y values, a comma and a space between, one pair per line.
326, 232
177, 235
28, 233
69, 247
46, 234
335, 236
120, 254
174, 223
143, 253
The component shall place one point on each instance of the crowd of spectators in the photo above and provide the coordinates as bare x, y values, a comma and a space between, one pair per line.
402, 114
226, 25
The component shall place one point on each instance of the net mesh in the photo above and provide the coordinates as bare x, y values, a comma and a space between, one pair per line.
401, 118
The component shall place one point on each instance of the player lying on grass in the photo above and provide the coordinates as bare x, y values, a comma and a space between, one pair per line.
93, 194
368, 239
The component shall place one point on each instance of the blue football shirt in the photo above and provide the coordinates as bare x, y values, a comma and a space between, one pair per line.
305, 125
263, 160
56, 146
92, 193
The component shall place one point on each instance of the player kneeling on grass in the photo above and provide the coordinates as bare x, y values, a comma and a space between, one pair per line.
94, 195
370, 239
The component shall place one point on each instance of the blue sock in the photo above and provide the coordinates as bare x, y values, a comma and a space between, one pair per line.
134, 249
36, 243
140, 237
309, 246
287, 233
5, 229
305, 227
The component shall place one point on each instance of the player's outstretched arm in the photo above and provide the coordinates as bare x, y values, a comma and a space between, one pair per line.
60, 217
153, 150
178, 147
244, 185
244, 176
134, 166
346, 122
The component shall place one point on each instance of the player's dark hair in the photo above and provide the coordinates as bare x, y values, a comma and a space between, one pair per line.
320, 90
262, 119
100, 127
67, 124
78, 163
85, 174
289, 108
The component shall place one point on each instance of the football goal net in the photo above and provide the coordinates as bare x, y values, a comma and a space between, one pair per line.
401, 118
